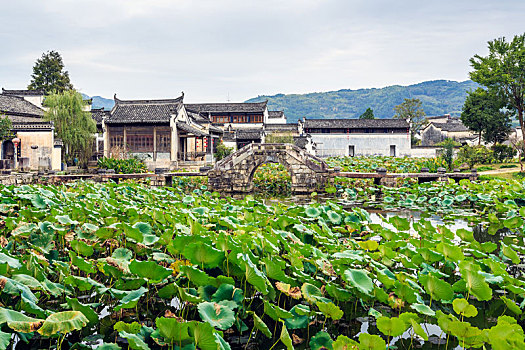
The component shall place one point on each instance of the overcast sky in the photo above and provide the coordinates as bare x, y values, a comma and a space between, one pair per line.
215, 50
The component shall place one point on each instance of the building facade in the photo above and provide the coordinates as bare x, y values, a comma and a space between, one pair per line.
359, 137
440, 128
38, 148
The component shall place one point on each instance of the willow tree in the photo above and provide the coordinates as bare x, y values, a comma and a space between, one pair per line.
73, 124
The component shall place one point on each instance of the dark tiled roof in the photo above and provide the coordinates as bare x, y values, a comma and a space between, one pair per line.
453, 125
216, 129
144, 111
281, 127
198, 118
257, 107
98, 114
248, 134
17, 105
190, 129
438, 117
275, 114
355, 123
23, 92
300, 141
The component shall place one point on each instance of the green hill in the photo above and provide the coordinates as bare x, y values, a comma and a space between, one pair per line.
439, 97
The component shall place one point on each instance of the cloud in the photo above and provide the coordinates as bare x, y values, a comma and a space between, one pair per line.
243, 48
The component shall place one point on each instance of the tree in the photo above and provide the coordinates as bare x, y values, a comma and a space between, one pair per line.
72, 123
447, 151
483, 113
368, 114
5, 128
49, 75
411, 109
503, 72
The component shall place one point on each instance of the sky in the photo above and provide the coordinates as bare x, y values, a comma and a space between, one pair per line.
233, 50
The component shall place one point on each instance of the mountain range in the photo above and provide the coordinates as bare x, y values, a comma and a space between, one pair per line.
438, 97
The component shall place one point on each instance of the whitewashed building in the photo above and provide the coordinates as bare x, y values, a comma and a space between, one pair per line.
359, 137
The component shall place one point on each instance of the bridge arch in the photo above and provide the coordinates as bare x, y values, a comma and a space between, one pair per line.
234, 174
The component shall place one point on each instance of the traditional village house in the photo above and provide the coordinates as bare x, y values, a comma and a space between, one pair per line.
242, 123
98, 114
159, 131
359, 137
38, 148
441, 127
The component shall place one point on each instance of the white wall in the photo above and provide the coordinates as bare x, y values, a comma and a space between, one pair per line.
429, 152
364, 144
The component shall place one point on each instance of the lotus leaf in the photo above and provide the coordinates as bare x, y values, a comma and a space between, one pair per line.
330, 310
437, 288
260, 325
344, 343
18, 321
135, 341
359, 279
63, 322
149, 270
371, 342
131, 299
320, 341
391, 326
285, 338
203, 255
217, 315
463, 308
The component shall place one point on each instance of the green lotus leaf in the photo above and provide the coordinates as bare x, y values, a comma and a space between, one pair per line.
513, 222
298, 320
228, 292
189, 294
9, 260
172, 330
132, 328
130, 299
371, 342
149, 270
506, 334
337, 293
82, 264
86, 310
312, 212
370, 245
275, 312
65, 220
203, 254
388, 199
330, 310
196, 276
463, 330
416, 326
253, 275
436, 287
311, 293
207, 338
82, 248
217, 315
391, 326
474, 281
511, 305
135, 341
463, 308
285, 338
260, 325
63, 323
510, 253
320, 341
19, 322
344, 343
334, 217
109, 346
401, 224
423, 309
451, 252
188, 200
447, 202
359, 279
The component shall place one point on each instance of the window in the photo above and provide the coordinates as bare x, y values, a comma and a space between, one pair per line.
392, 150
351, 150
163, 141
221, 119
256, 118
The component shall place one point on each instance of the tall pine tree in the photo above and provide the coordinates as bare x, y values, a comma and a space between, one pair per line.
49, 74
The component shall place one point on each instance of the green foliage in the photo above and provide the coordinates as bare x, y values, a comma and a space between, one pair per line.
447, 151
283, 138
438, 97
502, 71
222, 151
5, 128
73, 125
503, 153
412, 110
472, 155
484, 114
49, 75
368, 114
123, 166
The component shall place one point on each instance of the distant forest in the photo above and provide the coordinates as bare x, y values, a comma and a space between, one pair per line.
438, 97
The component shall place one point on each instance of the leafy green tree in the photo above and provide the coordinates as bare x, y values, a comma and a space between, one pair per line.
368, 114
5, 127
49, 75
447, 151
503, 72
72, 123
483, 113
412, 110
222, 151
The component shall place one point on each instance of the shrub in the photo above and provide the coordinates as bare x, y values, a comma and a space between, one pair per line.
447, 152
508, 166
473, 155
123, 166
222, 151
503, 153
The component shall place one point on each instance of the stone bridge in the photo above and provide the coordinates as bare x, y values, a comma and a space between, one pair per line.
234, 174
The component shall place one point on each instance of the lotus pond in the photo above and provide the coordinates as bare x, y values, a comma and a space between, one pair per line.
127, 266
